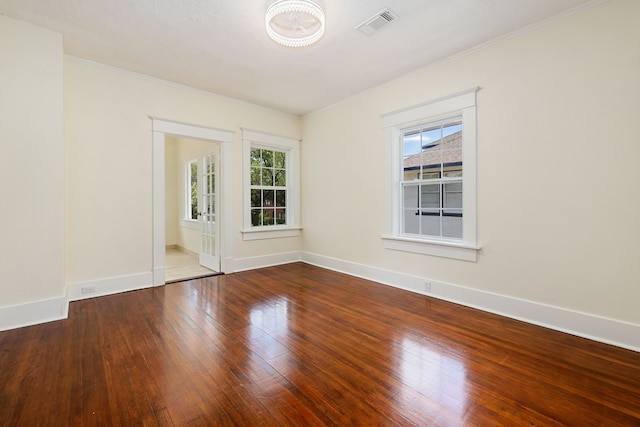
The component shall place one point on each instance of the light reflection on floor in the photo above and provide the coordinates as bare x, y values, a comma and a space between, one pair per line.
438, 376
268, 337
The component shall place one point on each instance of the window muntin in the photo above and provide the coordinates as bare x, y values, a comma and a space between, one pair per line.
431, 181
268, 187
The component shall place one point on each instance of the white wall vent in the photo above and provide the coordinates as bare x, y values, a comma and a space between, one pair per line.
378, 20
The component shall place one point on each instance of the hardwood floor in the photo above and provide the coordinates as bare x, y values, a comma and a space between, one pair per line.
303, 346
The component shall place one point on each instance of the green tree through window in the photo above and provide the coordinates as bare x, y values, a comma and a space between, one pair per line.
192, 190
268, 187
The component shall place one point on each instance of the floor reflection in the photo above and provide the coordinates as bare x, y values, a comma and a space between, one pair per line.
268, 338
436, 375
269, 327
271, 315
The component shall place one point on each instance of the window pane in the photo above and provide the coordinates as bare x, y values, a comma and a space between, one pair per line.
255, 217
453, 200
212, 204
281, 198
411, 143
281, 216
452, 143
411, 224
280, 178
430, 175
412, 173
268, 198
193, 176
453, 195
432, 161
430, 222
256, 198
267, 157
256, 157
411, 156
255, 176
410, 196
432, 152
279, 161
452, 227
454, 173
430, 196
452, 156
268, 216
267, 177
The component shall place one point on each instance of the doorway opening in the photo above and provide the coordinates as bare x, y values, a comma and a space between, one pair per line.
214, 197
191, 221
183, 264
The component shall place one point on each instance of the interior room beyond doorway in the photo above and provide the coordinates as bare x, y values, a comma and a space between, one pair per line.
184, 206
182, 264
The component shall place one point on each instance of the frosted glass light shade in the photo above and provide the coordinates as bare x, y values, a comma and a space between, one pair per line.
295, 23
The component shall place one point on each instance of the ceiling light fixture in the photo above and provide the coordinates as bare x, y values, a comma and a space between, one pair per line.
295, 23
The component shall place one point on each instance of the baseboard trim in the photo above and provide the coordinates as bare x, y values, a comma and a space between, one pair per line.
33, 313
187, 251
159, 274
112, 285
596, 328
251, 263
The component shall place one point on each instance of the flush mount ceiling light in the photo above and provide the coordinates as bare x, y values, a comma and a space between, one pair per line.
295, 23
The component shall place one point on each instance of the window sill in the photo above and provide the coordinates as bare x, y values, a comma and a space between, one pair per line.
270, 233
439, 248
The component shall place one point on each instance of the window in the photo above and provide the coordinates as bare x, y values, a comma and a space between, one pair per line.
271, 186
191, 190
431, 194
431, 181
268, 187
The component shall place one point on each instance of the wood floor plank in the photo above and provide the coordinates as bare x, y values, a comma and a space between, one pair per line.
300, 345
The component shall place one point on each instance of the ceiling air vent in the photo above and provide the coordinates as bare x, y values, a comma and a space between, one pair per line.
377, 21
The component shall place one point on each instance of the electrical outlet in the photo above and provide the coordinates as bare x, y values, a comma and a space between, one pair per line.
427, 286
88, 290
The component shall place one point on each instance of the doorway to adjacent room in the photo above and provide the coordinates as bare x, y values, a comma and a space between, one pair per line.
214, 245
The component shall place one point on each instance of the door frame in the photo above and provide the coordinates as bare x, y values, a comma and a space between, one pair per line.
224, 138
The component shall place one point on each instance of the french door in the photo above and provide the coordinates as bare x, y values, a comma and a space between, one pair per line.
209, 224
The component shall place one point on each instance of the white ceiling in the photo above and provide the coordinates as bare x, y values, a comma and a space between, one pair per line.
221, 46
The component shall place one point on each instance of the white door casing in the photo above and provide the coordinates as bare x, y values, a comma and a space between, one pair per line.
160, 129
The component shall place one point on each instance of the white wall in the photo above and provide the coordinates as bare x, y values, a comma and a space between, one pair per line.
109, 180
31, 171
558, 155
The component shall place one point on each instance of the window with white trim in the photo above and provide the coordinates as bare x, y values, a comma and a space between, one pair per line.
432, 191
191, 190
268, 187
271, 189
